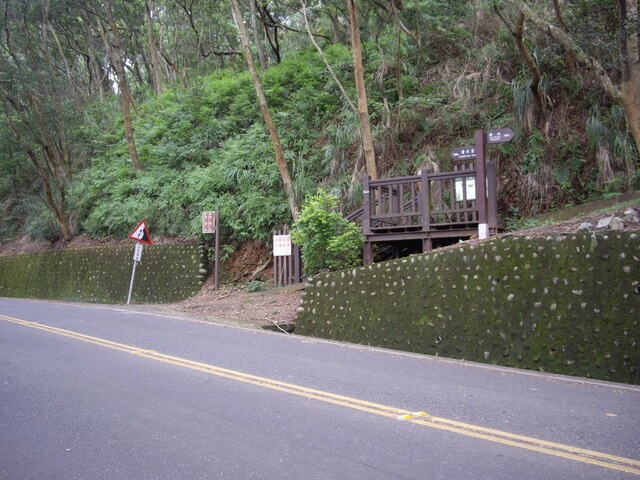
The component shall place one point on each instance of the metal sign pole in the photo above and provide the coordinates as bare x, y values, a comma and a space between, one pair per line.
137, 257
133, 274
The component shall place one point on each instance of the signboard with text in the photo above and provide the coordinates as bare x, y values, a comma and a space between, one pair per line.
137, 252
502, 135
281, 245
465, 189
463, 153
209, 220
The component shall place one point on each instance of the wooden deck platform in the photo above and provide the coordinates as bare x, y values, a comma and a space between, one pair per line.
416, 212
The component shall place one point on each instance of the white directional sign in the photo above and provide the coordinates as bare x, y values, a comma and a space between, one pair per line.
502, 135
463, 153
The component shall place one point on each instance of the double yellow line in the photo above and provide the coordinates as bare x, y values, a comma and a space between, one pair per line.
591, 457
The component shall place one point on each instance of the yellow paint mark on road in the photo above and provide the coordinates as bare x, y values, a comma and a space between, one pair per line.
591, 457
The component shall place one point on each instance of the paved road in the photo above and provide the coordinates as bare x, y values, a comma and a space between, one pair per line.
95, 392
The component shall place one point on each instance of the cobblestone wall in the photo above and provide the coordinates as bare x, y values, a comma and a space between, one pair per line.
568, 304
168, 273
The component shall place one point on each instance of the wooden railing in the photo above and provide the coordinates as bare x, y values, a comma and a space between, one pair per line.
426, 206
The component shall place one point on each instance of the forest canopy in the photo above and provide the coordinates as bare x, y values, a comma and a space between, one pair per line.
114, 110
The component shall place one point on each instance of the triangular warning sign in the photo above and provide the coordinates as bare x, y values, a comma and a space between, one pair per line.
141, 233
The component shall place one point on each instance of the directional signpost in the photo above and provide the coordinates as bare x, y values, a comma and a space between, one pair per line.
477, 152
142, 237
463, 153
502, 135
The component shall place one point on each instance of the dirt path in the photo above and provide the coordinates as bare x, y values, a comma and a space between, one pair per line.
236, 306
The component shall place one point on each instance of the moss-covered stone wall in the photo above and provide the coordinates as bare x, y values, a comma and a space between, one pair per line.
168, 273
567, 304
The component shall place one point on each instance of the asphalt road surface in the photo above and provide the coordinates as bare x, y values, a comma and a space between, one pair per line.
95, 392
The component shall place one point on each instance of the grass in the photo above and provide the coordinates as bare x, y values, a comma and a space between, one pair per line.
598, 207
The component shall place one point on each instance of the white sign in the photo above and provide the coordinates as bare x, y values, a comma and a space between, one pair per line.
137, 252
465, 185
141, 233
281, 245
483, 231
209, 222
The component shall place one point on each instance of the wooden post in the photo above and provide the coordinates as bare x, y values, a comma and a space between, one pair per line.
368, 253
366, 206
297, 264
492, 198
425, 199
481, 184
216, 281
395, 191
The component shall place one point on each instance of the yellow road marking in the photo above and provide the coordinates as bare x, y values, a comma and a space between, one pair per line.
591, 457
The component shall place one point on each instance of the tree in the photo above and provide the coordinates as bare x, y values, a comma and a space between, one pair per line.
281, 161
40, 101
113, 45
256, 34
335, 78
153, 49
621, 84
517, 31
363, 108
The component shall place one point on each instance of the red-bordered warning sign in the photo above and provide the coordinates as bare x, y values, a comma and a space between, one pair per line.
141, 234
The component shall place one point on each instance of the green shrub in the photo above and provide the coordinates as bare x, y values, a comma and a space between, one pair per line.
327, 239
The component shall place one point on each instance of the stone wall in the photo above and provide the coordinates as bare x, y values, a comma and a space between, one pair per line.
568, 304
168, 273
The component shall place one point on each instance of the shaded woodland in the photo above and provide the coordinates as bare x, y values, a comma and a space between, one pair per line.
114, 110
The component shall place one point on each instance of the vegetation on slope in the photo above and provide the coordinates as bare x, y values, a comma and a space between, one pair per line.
435, 73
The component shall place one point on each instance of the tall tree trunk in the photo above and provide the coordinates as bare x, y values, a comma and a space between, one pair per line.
256, 35
281, 162
58, 207
153, 51
627, 92
363, 108
335, 78
630, 51
630, 101
113, 46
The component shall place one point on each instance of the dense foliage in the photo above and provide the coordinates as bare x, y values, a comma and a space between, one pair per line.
435, 72
328, 240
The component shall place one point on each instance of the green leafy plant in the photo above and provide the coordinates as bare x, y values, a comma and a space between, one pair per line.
255, 286
327, 239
